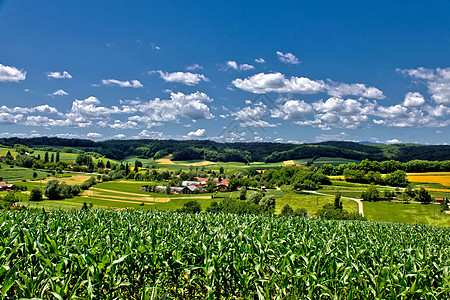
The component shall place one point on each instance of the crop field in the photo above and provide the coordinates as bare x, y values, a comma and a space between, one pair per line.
442, 178
131, 254
335, 161
18, 173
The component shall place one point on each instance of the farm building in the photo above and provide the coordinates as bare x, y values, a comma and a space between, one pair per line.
7, 187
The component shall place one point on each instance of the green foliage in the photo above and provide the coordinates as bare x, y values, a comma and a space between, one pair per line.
255, 197
300, 212
337, 201
217, 256
191, 207
286, 211
423, 196
267, 203
243, 193
35, 194
397, 178
232, 206
329, 212
370, 194
9, 199
52, 189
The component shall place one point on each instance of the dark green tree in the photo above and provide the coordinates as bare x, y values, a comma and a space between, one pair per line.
52, 158
57, 157
35, 194
370, 194
255, 197
267, 203
337, 201
423, 196
243, 193
286, 210
191, 207
46, 157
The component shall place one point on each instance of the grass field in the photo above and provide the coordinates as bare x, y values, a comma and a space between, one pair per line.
18, 173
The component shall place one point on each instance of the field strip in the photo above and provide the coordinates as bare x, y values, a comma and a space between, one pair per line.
288, 162
119, 192
147, 199
438, 190
116, 200
165, 161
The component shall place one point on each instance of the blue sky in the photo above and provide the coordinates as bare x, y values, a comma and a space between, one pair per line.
293, 71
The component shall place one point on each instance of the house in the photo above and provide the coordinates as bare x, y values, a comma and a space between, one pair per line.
188, 183
178, 190
7, 187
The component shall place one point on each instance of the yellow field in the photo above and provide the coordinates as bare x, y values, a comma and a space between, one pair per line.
288, 162
165, 161
438, 177
75, 179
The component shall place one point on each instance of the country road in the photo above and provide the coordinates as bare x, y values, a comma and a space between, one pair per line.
360, 204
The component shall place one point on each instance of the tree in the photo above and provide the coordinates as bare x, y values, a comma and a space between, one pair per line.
52, 190
221, 170
255, 197
35, 175
75, 190
423, 196
9, 199
46, 157
57, 157
35, 194
371, 194
243, 193
192, 207
38, 157
300, 212
286, 210
337, 201
52, 159
108, 164
397, 178
267, 203
444, 205
210, 186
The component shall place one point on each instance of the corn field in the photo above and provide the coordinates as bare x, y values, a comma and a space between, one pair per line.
132, 254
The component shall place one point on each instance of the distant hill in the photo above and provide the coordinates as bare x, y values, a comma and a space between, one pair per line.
244, 152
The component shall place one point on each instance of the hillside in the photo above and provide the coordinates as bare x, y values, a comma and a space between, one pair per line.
241, 152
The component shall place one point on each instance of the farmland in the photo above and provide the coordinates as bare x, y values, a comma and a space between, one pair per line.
132, 254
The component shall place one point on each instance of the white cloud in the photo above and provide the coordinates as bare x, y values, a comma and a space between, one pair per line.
150, 134
260, 60
155, 47
94, 135
276, 82
197, 133
123, 125
292, 109
190, 106
231, 64
186, 78
354, 89
7, 118
194, 67
437, 81
119, 136
59, 93
11, 74
413, 99
393, 141
114, 82
287, 58
59, 75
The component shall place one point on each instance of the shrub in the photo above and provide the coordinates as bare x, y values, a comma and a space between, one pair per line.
255, 197
267, 203
286, 210
191, 207
35, 194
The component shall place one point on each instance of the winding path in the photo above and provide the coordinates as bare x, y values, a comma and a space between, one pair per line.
360, 204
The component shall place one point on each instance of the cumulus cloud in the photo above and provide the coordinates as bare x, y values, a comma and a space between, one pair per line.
231, 64
150, 134
287, 58
194, 67
437, 81
59, 75
11, 74
413, 99
190, 106
260, 60
354, 89
276, 82
8, 118
59, 93
115, 82
94, 135
198, 133
393, 141
186, 78
119, 136
292, 109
